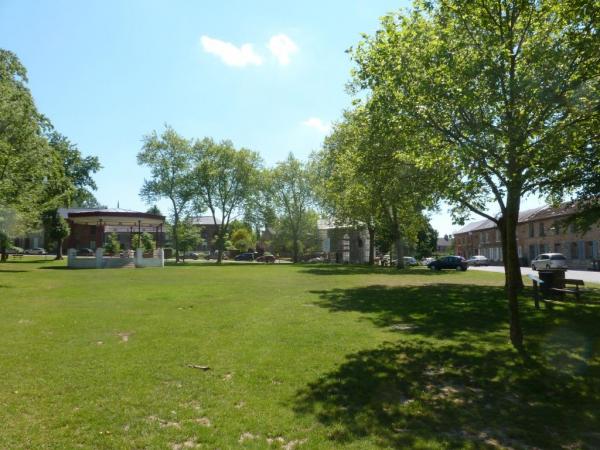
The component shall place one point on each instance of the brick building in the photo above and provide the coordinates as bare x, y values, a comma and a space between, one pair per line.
539, 231
208, 232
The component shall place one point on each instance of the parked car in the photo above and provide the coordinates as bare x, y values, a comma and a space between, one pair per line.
85, 252
449, 262
14, 250
410, 261
35, 251
478, 260
549, 261
266, 258
316, 259
245, 257
426, 261
192, 255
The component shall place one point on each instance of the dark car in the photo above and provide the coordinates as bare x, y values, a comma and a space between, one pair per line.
245, 257
86, 252
266, 258
449, 262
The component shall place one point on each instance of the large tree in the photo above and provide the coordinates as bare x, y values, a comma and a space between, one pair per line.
25, 155
224, 180
169, 158
292, 192
501, 93
344, 189
371, 178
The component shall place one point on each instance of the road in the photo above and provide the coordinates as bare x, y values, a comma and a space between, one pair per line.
585, 275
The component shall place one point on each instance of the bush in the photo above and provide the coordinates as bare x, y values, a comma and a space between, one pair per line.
143, 241
112, 244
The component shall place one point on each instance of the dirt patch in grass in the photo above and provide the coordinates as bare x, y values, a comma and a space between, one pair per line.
125, 335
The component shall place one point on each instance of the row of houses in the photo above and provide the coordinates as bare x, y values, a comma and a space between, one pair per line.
539, 230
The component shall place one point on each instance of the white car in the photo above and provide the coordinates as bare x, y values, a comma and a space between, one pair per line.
478, 260
35, 251
549, 261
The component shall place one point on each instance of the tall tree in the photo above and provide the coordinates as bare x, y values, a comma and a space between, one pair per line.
501, 93
293, 195
224, 179
24, 152
343, 188
169, 157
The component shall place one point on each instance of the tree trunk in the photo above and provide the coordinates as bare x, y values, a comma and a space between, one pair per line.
512, 270
371, 246
220, 245
295, 248
4, 256
59, 253
175, 234
399, 253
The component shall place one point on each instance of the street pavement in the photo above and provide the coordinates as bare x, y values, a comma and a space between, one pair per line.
585, 275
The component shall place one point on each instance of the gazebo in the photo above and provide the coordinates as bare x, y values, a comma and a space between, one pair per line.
90, 227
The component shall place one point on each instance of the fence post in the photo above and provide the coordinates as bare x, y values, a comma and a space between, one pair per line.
99, 255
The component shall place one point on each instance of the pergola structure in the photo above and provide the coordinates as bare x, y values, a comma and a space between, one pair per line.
89, 228
98, 222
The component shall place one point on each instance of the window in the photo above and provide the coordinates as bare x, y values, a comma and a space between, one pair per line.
542, 231
589, 250
532, 251
531, 230
498, 239
557, 247
556, 228
574, 251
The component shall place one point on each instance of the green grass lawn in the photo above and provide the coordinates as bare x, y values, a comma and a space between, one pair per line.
298, 356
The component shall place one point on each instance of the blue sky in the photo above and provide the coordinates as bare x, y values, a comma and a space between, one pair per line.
269, 75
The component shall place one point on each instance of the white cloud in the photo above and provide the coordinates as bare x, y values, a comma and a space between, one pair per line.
230, 54
317, 124
282, 47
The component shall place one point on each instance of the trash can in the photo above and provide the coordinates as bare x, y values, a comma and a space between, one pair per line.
552, 278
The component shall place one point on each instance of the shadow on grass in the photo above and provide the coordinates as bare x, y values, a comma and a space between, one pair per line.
452, 381
439, 310
12, 271
420, 394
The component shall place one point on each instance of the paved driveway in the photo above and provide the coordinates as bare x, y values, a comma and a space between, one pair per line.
585, 275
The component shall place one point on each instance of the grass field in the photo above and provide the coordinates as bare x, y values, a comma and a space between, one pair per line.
298, 357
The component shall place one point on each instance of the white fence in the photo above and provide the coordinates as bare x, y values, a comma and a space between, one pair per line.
127, 259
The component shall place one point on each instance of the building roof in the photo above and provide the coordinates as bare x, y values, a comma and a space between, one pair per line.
443, 242
541, 212
205, 220
110, 216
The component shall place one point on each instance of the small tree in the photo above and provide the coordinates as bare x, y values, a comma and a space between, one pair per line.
112, 244
189, 236
57, 229
144, 241
242, 239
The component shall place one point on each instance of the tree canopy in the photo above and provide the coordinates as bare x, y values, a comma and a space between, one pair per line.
499, 94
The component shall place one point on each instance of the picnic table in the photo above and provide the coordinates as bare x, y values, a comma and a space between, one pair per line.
551, 283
